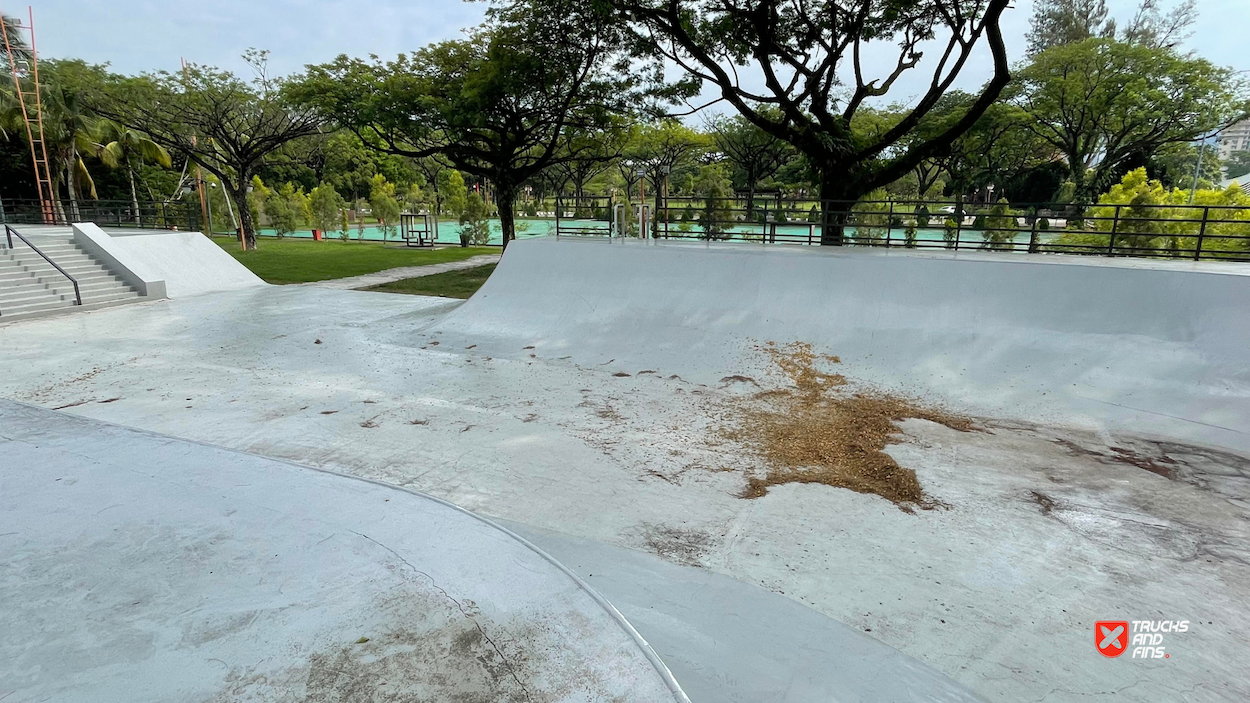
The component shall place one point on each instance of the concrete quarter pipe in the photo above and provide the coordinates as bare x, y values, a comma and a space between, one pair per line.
1150, 347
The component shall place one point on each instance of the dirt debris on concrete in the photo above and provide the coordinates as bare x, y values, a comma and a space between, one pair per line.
818, 429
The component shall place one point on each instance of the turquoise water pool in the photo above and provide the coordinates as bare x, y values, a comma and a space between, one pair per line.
449, 232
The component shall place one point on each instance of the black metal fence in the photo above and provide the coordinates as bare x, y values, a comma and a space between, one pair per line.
1182, 231
179, 214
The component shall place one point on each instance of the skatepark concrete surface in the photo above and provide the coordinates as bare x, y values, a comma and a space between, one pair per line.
144, 568
578, 396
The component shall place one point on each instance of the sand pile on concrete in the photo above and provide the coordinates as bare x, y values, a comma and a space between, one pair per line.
817, 429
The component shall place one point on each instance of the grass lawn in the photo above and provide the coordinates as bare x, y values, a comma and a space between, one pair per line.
301, 261
452, 284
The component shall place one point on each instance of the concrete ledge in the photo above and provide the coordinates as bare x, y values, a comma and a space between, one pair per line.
91, 239
166, 264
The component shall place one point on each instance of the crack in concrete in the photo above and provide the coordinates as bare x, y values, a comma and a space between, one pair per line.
463, 611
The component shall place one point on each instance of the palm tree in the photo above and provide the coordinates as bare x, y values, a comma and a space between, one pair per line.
122, 147
16, 42
10, 115
68, 132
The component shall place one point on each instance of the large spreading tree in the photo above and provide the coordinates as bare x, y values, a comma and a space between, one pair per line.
1102, 103
797, 71
215, 119
505, 104
755, 154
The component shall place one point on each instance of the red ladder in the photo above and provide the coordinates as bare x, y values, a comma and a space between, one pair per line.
28, 92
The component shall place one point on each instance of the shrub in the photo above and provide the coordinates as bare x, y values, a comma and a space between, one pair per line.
474, 221
1154, 220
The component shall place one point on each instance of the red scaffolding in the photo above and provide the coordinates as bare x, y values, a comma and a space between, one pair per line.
24, 66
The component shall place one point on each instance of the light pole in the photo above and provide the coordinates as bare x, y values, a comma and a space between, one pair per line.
1202, 146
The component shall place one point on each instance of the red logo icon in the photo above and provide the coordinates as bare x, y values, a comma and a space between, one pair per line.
1111, 637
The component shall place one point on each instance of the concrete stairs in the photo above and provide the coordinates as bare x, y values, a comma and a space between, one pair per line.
30, 286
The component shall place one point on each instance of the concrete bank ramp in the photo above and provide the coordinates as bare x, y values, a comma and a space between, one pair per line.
1149, 347
136, 567
165, 264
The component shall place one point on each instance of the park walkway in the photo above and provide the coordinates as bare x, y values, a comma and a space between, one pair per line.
399, 274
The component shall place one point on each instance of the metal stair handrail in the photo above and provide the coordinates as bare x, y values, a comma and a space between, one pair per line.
9, 232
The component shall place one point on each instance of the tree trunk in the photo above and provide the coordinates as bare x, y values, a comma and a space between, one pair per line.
750, 195
239, 195
505, 196
658, 211
72, 191
134, 196
833, 214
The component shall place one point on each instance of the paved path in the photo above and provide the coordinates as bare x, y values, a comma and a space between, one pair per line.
399, 274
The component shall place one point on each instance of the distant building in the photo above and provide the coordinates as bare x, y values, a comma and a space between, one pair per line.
1235, 138
1242, 182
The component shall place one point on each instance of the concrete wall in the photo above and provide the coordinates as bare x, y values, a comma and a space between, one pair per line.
1151, 347
166, 264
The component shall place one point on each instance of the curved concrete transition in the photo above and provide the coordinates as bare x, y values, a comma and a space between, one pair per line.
581, 398
135, 567
1152, 347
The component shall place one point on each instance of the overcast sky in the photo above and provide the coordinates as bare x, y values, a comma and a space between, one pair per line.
143, 35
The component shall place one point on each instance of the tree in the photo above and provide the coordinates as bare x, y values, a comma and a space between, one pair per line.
755, 153
1237, 164
326, 206
712, 183
1177, 164
217, 120
1101, 102
384, 205
661, 149
12, 40
1141, 216
474, 222
282, 209
594, 152
502, 104
1060, 22
996, 149
121, 147
455, 192
1150, 27
791, 57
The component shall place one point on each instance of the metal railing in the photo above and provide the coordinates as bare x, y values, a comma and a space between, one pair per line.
177, 214
1195, 232
9, 233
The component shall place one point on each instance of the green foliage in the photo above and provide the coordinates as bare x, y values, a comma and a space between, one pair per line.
454, 191
870, 218
1000, 226
950, 232
1102, 102
1237, 164
909, 237
809, 96
283, 209
226, 124
1154, 219
713, 186
502, 103
922, 216
326, 206
474, 223
384, 205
